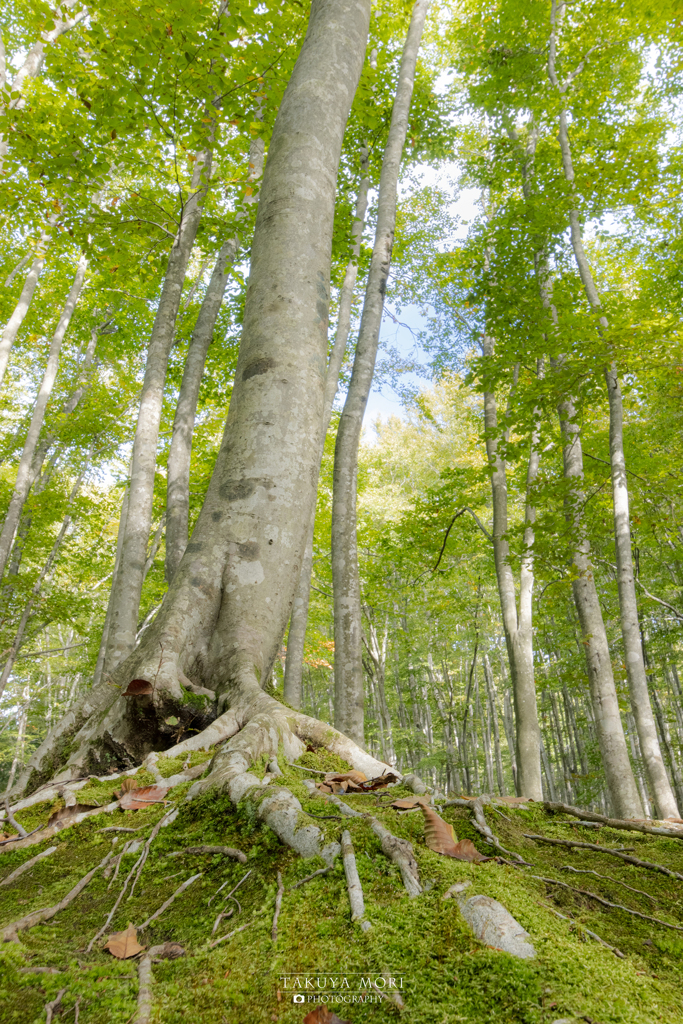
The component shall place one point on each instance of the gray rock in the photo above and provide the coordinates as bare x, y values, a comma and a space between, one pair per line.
493, 925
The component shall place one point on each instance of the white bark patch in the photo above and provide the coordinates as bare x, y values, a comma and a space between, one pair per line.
249, 572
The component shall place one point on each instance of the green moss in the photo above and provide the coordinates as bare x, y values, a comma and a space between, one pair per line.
168, 766
449, 976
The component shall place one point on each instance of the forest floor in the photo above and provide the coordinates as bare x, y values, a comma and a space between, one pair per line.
445, 975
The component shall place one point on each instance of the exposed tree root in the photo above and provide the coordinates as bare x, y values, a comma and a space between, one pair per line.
593, 935
11, 931
482, 826
278, 906
399, 851
353, 885
630, 825
226, 851
28, 864
19, 829
50, 1008
622, 854
608, 903
224, 938
164, 906
308, 878
143, 856
169, 950
607, 878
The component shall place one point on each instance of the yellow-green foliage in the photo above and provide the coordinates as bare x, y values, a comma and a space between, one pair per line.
450, 977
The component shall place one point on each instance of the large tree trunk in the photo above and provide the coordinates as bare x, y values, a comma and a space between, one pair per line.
296, 636
630, 628
517, 624
618, 772
180, 452
127, 587
348, 644
225, 613
24, 477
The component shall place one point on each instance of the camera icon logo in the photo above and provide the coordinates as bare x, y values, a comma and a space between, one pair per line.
298, 998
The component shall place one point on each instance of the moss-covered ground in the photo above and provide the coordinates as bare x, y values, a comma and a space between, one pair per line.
447, 975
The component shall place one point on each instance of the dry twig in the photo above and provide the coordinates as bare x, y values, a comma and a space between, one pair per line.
623, 854
19, 829
320, 871
227, 851
10, 932
278, 905
593, 935
608, 903
608, 878
619, 823
164, 906
54, 1005
29, 864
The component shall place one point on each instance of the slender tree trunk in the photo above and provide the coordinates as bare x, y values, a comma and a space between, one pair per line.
517, 624
24, 479
127, 586
635, 666
666, 739
19, 746
348, 669
44, 574
180, 452
493, 704
610, 730
297, 624
20, 310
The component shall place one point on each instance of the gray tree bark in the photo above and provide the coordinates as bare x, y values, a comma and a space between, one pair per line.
297, 624
19, 312
180, 452
348, 664
655, 769
127, 586
618, 772
225, 613
517, 622
24, 477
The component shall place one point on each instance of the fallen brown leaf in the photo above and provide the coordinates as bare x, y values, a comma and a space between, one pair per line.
123, 945
64, 813
440, 837
409, 803
354, 782
138, 688
142, 796
321, 1015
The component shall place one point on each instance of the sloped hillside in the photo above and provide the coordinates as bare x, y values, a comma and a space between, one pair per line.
216, 960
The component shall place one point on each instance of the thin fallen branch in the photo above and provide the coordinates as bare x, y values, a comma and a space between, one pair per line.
40, 834
222, 916
29, 864
608, 903
593, 935
54, 1005
120, 828
320, 871
242, 879
353, 882
143, 856
608, 878
619, 823
229, 935
11, 931
164, 906
227, 851
120, 896
316, 771
649, 865
19, 829
278, 906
